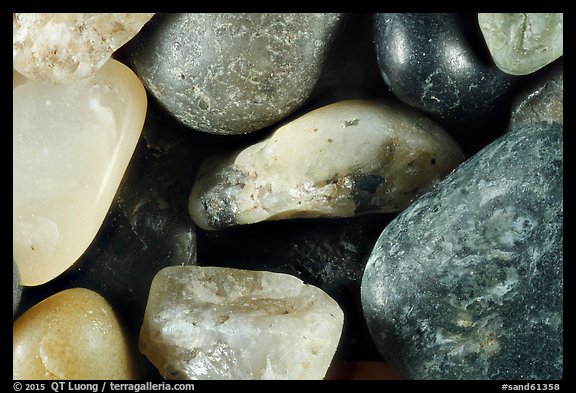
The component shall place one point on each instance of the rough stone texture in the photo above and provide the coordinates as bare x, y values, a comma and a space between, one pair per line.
218, 323
430, 61
522, 43
65, 47
347, 158
467, 283
233, 73
71, 146
16, 288
73, 334
327, 253
543, 100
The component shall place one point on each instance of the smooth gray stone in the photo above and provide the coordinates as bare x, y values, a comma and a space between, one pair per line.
543, 100
467, 283
16, 288
233, 73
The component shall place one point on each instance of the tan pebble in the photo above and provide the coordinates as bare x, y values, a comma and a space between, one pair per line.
73, 334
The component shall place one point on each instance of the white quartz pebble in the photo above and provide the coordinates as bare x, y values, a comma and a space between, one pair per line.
222, 323
71, 146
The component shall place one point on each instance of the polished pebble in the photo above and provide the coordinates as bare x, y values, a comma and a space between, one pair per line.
430, 61
344, 159
71, 146
72, 335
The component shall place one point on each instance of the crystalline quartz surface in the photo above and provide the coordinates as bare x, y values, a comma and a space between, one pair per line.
222, 323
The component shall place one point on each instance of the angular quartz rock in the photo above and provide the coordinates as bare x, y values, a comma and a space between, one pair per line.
73, 334
233, 73
543, 100
71, 146
431, 61
344, 159
522, 43
219, 323
467, 283
65, 47
16, 288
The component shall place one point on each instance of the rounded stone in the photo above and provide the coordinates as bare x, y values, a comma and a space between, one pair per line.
467, 283
65, 47
73, 334
232, 73
16, 288
431, 62
344, 159
522, 43
71, 146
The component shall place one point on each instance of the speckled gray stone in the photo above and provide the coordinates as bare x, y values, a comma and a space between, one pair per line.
233, 73
543, 100
467, 283
16, 288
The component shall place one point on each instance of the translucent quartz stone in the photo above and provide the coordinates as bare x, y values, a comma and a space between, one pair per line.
220, 323
522, 43
71, 146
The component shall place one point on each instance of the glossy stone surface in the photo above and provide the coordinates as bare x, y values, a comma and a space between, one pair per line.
431, 61
347, 158
72, 335
543, 100
16, 288
218, 323
467, 283
327, 253
65, 47
233, 73
71, 146
522, 43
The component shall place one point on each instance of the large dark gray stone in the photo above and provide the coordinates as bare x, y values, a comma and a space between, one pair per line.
467, 282
233, 73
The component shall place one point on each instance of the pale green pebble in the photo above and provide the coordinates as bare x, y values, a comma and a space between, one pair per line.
522, 43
